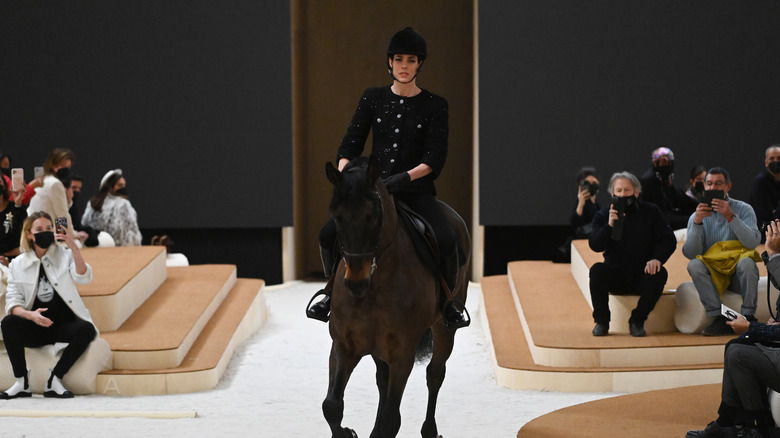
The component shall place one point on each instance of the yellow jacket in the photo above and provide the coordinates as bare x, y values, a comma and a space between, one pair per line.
722, 258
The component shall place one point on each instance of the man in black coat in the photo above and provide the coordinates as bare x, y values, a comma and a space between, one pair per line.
636, 241
658, 187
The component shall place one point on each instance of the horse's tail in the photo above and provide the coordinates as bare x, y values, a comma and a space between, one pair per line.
424, 349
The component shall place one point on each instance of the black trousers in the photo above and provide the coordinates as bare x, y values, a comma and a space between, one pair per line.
19, 333
605, 279
747, 373
426, 206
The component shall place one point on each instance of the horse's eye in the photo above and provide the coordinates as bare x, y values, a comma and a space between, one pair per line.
370, 218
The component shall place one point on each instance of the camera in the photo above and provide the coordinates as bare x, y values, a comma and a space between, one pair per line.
591, 188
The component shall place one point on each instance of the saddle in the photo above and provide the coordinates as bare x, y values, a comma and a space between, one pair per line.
423, 238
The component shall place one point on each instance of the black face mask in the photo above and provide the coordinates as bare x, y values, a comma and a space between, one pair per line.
75, 196
63, 173
44, 239
121, 192
698, 187
6, 171
664, 172
774, 166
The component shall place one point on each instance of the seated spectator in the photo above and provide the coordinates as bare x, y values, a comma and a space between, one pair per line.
43, 306
111, 211
721, 246
636, 241
658, 187
695, 189
587, 205
750, 366
51, 197
765, 191
87, 235
13, 215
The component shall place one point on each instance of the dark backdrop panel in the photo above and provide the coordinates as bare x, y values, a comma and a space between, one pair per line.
190, 98
569, 83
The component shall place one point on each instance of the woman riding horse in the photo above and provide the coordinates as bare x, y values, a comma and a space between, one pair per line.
410, 128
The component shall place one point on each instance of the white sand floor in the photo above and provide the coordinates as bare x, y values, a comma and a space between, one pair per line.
276, 382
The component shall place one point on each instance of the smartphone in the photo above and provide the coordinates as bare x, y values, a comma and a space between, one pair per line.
728, 312
61, 223
709, 195
38, 172
17, 179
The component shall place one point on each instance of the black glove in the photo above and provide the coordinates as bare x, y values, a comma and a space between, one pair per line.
396, 183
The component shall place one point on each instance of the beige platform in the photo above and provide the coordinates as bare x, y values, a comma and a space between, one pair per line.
123, 278
655, 414
162, 330
241, 313
176, 328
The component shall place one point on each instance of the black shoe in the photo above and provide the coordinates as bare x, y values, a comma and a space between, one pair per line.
321, 310
752, 432
454, 318
54, 388
601, 329
714, 430
636, 329
718, 327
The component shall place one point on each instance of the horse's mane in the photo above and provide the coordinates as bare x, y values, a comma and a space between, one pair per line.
354, 186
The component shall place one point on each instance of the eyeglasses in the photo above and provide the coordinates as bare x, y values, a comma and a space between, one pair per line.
715, 183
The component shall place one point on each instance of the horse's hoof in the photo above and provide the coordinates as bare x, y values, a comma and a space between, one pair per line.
349, 433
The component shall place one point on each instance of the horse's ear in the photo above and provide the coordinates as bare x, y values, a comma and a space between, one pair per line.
373, 170
334, 176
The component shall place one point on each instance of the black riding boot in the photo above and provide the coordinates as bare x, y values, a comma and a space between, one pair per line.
453, 317
321, 309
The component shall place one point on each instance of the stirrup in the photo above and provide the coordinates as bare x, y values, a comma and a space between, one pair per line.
465, 323
309, 307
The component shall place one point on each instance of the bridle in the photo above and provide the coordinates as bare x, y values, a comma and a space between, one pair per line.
373, 254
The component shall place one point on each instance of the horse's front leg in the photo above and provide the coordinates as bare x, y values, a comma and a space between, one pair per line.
341, 367
382, 378
388, 420
443, 341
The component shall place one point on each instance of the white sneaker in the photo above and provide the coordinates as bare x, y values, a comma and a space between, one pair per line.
55, 389
20, 388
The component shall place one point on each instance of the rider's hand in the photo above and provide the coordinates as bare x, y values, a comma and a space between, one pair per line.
396, 183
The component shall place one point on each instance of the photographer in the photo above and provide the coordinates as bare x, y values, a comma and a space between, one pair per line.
722, 236
750, 366
587, 205
636, 241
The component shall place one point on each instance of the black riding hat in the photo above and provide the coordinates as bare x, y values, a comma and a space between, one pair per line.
408, 42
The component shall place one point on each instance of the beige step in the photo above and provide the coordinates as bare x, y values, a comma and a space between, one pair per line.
123, 278
567, 332
241, 314
160, 333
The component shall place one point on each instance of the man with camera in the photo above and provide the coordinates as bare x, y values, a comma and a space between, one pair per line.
636, 241
721, 240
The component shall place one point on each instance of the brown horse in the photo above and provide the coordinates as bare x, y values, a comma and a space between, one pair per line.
387, 301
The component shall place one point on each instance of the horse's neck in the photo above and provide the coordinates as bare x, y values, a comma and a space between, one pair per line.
389, 219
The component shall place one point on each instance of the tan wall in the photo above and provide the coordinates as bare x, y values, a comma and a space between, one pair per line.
338, 51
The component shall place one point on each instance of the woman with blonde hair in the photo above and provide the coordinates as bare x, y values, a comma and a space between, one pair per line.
43, 306
52, 196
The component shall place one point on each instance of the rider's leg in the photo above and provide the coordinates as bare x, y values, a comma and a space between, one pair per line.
428, 207
321, 309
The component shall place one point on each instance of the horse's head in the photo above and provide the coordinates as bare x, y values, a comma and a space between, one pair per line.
356, 208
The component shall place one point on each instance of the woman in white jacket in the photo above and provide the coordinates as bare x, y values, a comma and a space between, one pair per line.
43, 305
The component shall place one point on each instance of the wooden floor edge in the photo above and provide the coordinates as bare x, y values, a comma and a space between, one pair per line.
178, 381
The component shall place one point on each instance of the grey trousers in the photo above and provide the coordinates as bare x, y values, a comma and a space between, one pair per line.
746, 284
747, 373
